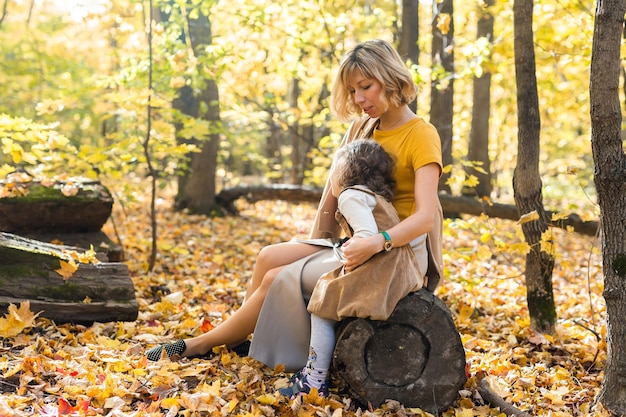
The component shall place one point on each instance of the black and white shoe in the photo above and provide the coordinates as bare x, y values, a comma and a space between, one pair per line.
176, 348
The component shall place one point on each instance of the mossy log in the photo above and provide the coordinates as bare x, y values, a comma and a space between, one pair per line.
415, 357
76, 206
95, 292
107, 250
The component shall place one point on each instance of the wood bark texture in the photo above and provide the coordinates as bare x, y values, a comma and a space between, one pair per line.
415, 357
47, 209
442, 90
527, 184
196, 187
478, 147
610, 181
95, 292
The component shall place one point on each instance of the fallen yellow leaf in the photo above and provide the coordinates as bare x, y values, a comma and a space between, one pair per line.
17, 319
67, 269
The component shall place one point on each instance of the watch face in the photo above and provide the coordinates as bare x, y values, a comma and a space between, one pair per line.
388, 245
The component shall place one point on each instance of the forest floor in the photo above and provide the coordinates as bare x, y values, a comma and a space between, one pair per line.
200, 277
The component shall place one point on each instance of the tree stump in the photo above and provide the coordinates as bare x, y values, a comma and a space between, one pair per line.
95, 292
415, 357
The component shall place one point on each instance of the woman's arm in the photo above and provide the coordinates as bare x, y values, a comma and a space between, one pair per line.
357, 251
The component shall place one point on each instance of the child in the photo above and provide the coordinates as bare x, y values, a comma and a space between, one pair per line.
362, 178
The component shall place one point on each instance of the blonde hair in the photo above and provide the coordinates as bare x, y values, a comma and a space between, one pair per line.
378, 60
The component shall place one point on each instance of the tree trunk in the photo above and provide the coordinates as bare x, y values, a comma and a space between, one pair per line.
610, 180
415, 357
478, 148
294, 133
196, 187
527, 185
442, 88
95, 292
409, 35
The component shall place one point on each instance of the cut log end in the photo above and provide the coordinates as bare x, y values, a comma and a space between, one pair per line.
415, 357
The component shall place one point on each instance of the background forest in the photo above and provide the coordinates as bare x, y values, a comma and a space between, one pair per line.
238, 90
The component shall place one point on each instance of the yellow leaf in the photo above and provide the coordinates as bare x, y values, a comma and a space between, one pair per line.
547, 243
465, 412
267, 399
169, 403
465, 312
528, 217
471, 181
67, 269
232, 404
559, 216
16, 320
443, 23
16, 154
483, 252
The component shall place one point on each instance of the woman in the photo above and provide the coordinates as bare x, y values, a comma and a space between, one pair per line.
372, 82
374, 86
363, 181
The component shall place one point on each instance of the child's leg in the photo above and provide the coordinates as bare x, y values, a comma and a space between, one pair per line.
321, 350
315, 372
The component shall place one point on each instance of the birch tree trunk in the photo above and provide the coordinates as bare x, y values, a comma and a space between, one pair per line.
610, 180
527, 185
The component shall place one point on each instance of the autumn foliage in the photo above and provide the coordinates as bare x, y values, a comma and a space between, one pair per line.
204, 263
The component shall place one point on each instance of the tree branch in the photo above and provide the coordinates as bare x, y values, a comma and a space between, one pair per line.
451, 204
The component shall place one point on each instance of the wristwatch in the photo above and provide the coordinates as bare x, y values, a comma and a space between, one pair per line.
388, 243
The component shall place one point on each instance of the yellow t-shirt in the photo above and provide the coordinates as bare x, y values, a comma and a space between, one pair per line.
413, 145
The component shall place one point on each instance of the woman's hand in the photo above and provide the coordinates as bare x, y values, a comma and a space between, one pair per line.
358, 250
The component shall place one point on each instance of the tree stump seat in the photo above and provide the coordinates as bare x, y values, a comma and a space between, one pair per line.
415, 357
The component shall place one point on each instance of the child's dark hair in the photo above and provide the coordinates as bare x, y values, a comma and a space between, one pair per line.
365, 162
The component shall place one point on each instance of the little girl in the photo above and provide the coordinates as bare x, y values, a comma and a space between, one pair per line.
362, 179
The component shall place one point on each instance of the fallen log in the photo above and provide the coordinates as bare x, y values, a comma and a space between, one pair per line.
415, 357
106, 249
94, 292
71, 206
451, 204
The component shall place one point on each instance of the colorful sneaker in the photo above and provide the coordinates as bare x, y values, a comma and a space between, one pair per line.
176, 348
301, 386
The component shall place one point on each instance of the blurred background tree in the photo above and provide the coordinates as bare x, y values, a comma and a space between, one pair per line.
81, 69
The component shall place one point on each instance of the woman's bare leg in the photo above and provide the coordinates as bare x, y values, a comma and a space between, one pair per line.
273, 256
240, 325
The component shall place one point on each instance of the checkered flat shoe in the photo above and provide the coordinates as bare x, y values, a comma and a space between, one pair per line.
301, 386
176, 348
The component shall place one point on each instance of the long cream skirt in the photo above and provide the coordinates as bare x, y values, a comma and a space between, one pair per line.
283, 330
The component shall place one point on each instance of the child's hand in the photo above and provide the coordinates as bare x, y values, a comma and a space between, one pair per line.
358, 250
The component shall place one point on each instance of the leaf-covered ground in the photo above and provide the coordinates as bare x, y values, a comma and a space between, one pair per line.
203, 265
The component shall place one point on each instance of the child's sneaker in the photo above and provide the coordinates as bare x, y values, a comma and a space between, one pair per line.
301, 386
